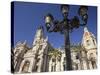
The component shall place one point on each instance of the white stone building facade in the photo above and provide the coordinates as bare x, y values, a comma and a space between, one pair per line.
39, 59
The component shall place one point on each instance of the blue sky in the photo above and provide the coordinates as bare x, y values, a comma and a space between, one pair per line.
29, 16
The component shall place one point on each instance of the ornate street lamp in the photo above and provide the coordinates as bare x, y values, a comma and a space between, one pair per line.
65, 26
65, 10
48, 20
83, 13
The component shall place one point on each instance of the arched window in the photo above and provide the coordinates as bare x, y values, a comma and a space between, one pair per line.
93, 61
77, 56
53, 60
51, 68
36, 68
64, 67
88, 42
25, 66
93, 42
93, 64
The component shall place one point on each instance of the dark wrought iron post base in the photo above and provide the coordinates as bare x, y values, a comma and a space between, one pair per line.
67, 50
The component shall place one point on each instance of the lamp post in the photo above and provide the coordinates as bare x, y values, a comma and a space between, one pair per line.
65, 26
